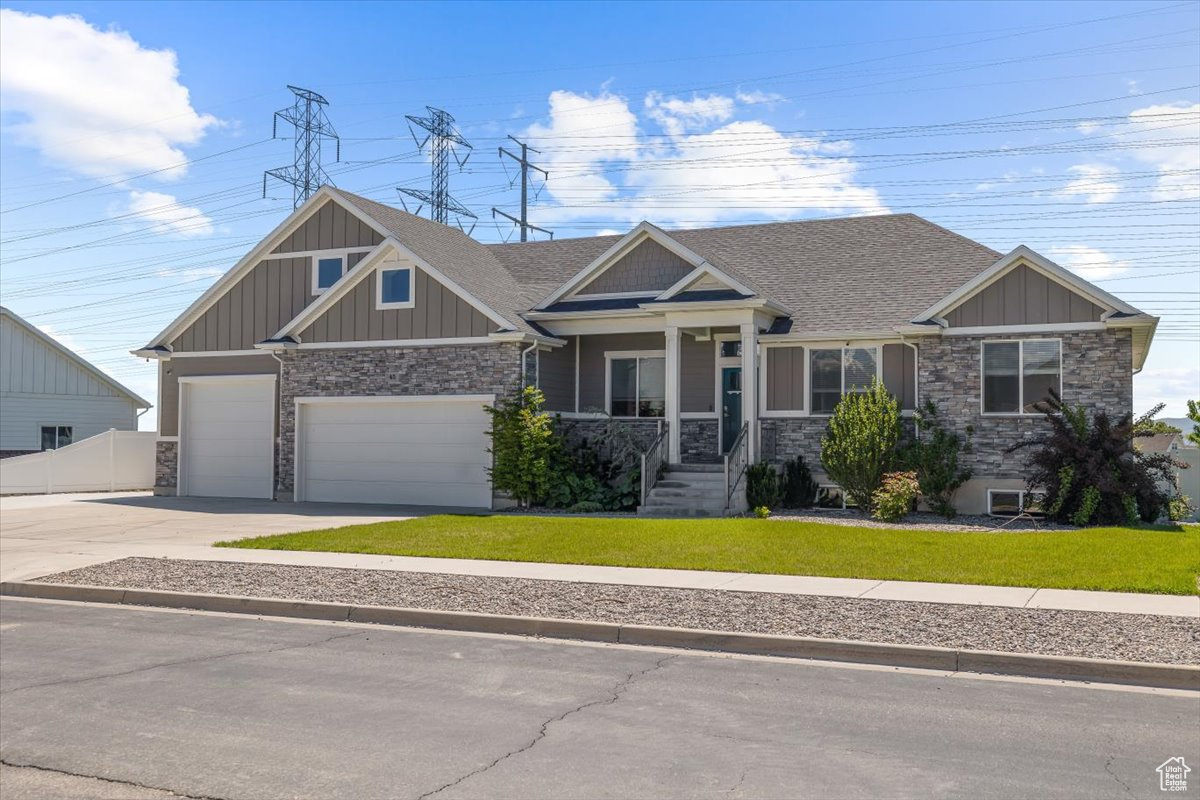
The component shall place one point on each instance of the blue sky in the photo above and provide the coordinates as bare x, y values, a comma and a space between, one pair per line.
133, 136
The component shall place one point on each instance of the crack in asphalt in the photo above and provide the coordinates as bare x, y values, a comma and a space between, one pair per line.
615, 692
181, 662
1108, 768
116, 781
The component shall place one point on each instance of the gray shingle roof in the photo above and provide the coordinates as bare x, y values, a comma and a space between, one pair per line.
837, 274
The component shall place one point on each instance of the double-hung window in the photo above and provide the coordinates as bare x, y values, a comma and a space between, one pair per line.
56, 436
394, 287
327, 270
637, 386
1019, 375
835, 372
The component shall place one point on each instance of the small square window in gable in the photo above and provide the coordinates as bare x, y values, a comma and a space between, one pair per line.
394, 287
329, 271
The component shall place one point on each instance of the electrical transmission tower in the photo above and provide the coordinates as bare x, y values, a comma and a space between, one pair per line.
307, 116
444, 141
523, 160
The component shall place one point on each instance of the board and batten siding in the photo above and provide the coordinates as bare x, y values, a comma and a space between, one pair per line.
329, 228
787, 368
437, 313
556, 376
41, 386
1023, 297
176, 368
697, 374
648, 267
592, 366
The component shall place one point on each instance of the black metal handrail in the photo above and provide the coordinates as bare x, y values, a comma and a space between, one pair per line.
737, 461
653, 460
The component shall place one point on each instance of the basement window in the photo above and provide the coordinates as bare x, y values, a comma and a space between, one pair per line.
1014, 502
832, 497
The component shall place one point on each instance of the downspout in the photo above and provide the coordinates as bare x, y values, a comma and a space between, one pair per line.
279, 390
524, 364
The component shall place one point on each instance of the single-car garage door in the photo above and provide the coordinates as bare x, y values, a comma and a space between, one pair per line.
227, 436
429, 451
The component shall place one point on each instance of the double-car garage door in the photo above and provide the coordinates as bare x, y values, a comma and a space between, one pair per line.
416, 451
404, 450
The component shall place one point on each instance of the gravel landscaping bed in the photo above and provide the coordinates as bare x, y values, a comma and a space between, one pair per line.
1131, 637
921, 521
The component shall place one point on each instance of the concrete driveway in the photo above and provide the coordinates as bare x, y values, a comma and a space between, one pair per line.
51, 533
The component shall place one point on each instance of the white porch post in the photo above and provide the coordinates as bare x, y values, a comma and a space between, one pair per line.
672, 399
750, 386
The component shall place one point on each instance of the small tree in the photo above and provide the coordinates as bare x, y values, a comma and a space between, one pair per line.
1089, 470
764, 489
523, 446
934, 457
859, 445
1193, 413
799, 488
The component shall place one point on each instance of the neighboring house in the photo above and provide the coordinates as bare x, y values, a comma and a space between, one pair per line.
347, 357
1187, 479
50, 397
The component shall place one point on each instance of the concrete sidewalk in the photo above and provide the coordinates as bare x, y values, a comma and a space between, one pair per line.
965, 594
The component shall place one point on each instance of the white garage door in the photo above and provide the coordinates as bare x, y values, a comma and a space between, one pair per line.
227, 436
415, 451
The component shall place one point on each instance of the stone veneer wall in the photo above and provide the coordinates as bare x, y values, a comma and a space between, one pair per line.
698, 441
368, 371
166, 465
1097, 372
644, 431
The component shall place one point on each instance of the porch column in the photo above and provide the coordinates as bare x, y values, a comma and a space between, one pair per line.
750, 386
672, 399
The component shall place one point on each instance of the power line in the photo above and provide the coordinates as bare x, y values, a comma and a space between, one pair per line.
523, 161
307, 116
444, 140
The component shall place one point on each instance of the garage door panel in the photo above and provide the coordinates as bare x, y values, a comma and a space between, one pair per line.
393, 412
410, 493
204, 449
420, 453
231, 431
212, 412
408, 433
229, 466
396, 472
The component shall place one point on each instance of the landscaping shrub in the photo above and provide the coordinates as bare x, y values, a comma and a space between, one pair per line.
1180, 508
602, 472
762, 512
894, 499
799, 488
1089, 470
523, 446
859, 446
934, 457
763, 486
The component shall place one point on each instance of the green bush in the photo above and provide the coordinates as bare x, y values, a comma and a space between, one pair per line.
763, 486
799, 488
895, 498
762, 512
1180, 508
523, 446
602, 472
934, 457
859, 445
1089, 471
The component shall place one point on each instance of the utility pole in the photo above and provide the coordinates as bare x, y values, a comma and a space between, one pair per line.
444, 141
523, 160
307, 116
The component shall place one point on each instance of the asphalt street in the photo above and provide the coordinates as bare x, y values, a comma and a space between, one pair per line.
98, 701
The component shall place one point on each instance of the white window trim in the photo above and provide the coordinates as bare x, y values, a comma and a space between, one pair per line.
720, 362
380, 305
1020, 376
766, 413
316, 257
609, 355
57, 446
820, 486
808, 398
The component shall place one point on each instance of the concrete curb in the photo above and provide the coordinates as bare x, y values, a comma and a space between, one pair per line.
1167, 676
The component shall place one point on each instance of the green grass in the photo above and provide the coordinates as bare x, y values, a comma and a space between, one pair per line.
1164, 560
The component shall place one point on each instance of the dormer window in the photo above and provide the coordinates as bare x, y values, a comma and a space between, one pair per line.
327, 270
394, 287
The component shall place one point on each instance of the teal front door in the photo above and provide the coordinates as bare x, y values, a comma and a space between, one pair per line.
731, 406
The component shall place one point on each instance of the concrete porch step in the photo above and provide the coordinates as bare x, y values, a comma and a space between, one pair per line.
696, 467
697, 478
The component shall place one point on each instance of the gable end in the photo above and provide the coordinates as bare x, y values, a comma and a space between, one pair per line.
648, 267
331, 227
1023, 296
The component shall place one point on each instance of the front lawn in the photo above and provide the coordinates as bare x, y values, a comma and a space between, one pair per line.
1158, 560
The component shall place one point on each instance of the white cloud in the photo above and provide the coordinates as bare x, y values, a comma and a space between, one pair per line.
1095, 183
168, 215
1171, 385
1089, 263
1169, 133
712, 168
92, 100
759, 98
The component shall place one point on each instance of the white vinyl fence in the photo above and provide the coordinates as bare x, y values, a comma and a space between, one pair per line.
108, 462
